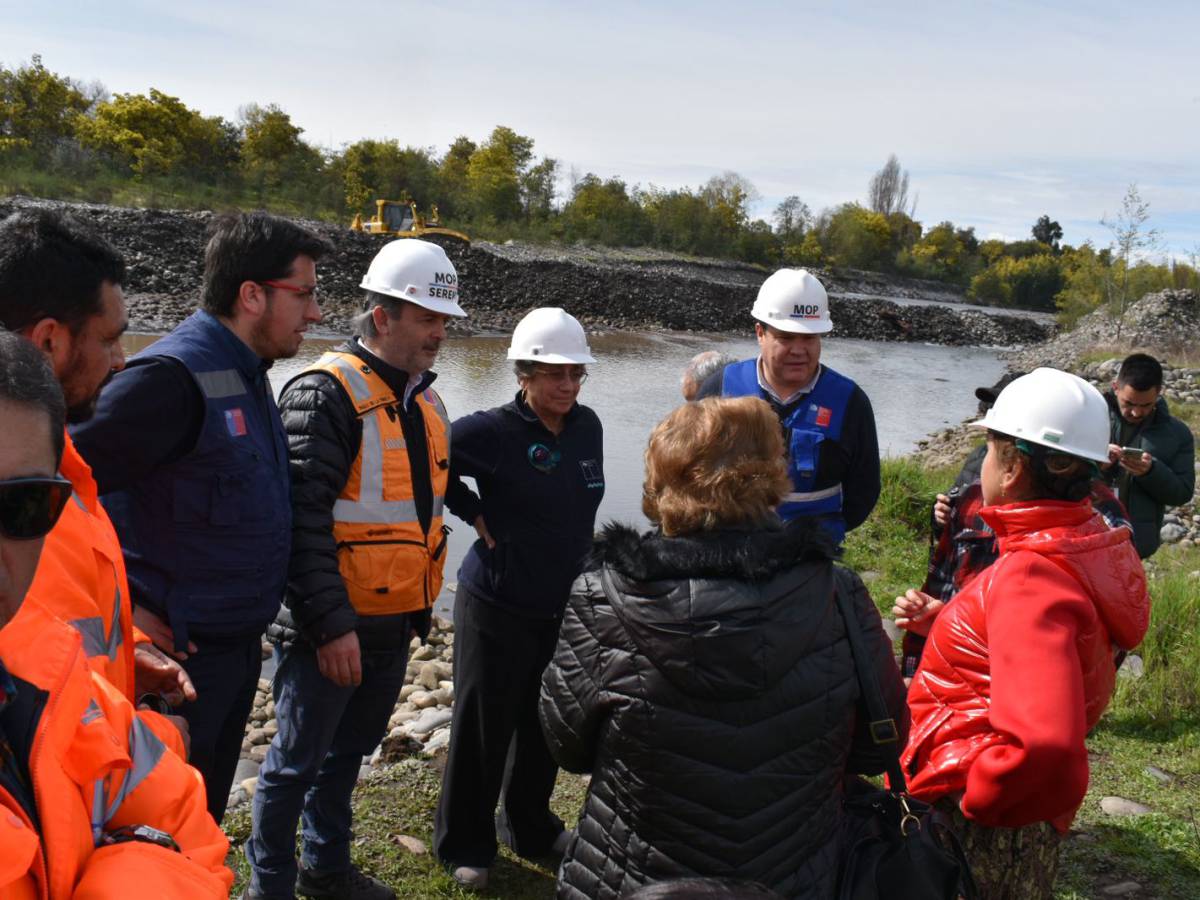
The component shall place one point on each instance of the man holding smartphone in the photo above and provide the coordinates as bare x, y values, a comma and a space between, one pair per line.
1152, 454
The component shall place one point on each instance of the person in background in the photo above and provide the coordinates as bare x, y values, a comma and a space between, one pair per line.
828, 423
370, 443
1165, 472
963, 545
91, 801
704, 678
699, 369
191, 461
60, 288
538, 464
1021, 665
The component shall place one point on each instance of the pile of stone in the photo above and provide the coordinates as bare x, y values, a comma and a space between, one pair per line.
608, 288
1179, 384
420, 723
1160, 323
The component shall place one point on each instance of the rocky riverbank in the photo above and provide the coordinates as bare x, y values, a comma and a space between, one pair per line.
607, 288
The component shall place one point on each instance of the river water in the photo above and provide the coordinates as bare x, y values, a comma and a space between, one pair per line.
915, 390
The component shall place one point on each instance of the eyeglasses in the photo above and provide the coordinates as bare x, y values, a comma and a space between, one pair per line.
577, 376
29, 507
304, 293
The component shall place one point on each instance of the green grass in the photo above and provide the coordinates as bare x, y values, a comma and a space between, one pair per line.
400, 800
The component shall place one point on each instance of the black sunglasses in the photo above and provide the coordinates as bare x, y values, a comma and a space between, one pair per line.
29, 507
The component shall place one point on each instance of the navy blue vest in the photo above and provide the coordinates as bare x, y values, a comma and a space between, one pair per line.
819, 417
207, 538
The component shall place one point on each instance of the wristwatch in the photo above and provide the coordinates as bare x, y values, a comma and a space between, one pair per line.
146, 834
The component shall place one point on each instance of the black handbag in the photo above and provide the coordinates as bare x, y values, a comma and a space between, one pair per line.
894, 845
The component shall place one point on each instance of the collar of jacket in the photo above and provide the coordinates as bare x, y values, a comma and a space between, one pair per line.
249, 363
523, 410
396, 379
750, 554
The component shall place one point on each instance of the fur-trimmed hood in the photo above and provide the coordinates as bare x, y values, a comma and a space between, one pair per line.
722, 614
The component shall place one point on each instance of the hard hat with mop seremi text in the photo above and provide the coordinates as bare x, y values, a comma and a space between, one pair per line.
417, 271
793, 300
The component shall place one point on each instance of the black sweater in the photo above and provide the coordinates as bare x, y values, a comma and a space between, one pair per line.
542, 517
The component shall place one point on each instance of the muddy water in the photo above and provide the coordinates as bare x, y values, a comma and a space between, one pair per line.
915, 389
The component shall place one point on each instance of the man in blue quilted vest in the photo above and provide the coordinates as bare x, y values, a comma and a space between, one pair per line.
828, 423
191, 459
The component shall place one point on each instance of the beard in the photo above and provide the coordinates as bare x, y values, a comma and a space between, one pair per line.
81, 402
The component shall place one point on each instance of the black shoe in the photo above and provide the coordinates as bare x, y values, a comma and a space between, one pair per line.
353, 884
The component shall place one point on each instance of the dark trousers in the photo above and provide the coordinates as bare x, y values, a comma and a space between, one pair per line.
497, 751
312, 766
225, 674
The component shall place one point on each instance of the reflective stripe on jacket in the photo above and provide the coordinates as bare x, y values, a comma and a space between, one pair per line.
818, 418
81, 577
389, 564
97, 767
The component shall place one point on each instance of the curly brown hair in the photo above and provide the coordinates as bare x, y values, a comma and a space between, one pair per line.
715, 463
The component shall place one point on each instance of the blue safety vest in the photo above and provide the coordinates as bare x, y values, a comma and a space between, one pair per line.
207, 538
818, 418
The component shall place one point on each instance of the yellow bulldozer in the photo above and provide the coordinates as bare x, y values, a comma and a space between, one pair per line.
399, 218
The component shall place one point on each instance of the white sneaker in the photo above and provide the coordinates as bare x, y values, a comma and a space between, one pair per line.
560, 843
471, 877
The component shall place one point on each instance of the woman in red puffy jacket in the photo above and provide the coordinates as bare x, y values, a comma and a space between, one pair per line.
1021, 665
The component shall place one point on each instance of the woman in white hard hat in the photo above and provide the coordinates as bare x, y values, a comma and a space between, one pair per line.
1020, 666
538, 463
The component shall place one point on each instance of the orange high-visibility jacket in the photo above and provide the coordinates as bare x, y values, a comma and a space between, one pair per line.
96, 767
388, 563
81, 580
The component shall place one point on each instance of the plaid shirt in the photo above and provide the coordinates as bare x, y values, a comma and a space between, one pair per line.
966, 546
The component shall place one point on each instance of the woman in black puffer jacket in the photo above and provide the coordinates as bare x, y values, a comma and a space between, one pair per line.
703, 676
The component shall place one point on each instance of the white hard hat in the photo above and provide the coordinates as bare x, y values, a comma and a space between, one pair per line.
793, 300
417, 271
550, 335
1054, 409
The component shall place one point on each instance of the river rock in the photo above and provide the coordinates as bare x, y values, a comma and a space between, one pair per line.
428, 721
424, 700
257, 736
1119, 806
411, 844
1124, 889
259, 753
437, 742
1172, 532
428, 676
423, 653
407, 691
246, 768
1160, 775
248, 785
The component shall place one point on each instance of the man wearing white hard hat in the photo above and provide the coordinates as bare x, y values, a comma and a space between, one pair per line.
538, 465
369, 447
829, 426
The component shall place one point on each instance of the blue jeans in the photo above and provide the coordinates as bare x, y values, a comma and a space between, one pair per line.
312, 765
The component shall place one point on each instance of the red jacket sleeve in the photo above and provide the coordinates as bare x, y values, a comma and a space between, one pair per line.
1039, 772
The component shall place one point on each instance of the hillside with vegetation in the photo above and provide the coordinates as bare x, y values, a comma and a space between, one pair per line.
66, 139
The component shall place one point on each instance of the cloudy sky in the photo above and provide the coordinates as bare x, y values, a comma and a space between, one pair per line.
1000, 111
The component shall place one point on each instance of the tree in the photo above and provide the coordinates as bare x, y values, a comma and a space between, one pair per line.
272, 151
537, 189
792, 216
384, 170
1047, 231
494, 174
38, 108
453, 190
887, 192
859, 238
157, 134
1132, 237
604, 211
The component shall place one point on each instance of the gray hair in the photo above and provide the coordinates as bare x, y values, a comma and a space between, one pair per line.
700, 368
524, 368
363, 325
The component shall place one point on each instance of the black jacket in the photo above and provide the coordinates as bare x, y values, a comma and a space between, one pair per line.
706, 683
324, 434
1171, 480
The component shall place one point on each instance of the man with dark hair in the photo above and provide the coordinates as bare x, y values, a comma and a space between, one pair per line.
60, 288
1164, 473
189, 451
90, 802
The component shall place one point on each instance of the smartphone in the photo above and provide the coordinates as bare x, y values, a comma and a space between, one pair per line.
1132, 454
